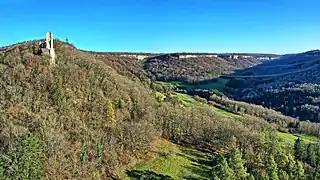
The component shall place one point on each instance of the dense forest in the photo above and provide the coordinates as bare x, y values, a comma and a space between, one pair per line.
94, 117
300, 101
295, 94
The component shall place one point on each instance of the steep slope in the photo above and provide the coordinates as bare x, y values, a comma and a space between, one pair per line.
69, 118
127, 64
290, 85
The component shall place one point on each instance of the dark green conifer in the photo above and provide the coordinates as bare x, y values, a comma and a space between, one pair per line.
311, 155
299, 171
283, 175
251, 177
222, 169
236, 163
298, 149
272, 168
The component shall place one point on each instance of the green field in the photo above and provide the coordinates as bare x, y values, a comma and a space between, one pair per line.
190, 101
172, 161
218, 84
225, 113
186, 99
290, 138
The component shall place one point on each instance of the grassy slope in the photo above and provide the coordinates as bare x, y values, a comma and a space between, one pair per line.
287, 137
189, 100
186, 99
290, 138
173, 161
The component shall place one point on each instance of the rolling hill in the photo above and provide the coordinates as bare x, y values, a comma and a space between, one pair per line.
58, 115
99, 116
193, 67
289, 85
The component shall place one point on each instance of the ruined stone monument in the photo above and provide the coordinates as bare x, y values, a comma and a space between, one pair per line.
46, 48
49, 43
48, 40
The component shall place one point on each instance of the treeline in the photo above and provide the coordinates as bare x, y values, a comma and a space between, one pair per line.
120, 53
194, 69
301, 101
30, 42
271, 116
309, 154
272, 161
245, 148
187, 70
24, 43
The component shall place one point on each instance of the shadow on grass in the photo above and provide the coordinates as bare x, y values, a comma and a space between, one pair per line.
202, 163
145, 174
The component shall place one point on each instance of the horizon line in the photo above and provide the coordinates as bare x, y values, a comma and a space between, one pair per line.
175, 52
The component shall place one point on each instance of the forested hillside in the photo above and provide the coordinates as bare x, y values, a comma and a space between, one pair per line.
197, 67
69, 118
292, 87
97, 117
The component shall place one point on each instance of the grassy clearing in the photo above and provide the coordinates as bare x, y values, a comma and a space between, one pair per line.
225, 113
287, 137
188, 100
174, 162
308, 138
290, 138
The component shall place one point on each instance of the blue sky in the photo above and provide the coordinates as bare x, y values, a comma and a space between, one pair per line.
275, 26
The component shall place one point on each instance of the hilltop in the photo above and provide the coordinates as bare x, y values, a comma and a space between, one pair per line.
64, 112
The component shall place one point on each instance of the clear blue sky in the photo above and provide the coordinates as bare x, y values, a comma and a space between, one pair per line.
276, 26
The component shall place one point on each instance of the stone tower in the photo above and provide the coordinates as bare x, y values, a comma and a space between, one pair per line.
48, 40
49, 46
